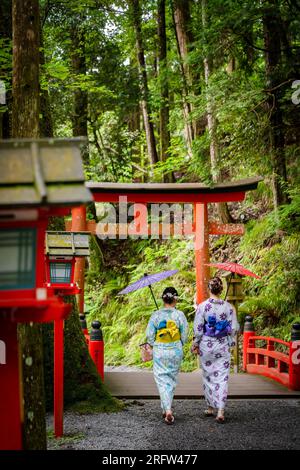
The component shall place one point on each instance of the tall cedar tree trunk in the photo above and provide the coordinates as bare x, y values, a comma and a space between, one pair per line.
46, 124
25, 123
181, 17
272, 43
150, 138
164, 112
134, 127
80, 111
6, 35
82, 382
222, 208
78, 367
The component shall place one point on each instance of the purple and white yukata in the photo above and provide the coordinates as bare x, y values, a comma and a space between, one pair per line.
215, 351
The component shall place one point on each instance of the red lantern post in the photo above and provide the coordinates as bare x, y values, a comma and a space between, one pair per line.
58, 377
63, 250
34, 186
23, 242
96, 347
248, 332
10, 394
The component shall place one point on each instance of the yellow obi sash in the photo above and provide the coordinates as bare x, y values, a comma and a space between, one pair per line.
169, 333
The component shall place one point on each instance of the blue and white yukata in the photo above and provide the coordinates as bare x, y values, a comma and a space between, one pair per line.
167, 356
214, 348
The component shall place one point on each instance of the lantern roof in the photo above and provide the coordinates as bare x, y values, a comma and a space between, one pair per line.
42, 172
67, 243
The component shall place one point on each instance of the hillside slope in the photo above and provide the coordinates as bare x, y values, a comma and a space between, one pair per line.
270, 247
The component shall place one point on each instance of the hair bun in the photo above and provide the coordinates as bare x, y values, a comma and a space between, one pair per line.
215, 285
169, 295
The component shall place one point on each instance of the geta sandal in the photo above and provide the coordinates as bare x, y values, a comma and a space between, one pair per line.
169, 418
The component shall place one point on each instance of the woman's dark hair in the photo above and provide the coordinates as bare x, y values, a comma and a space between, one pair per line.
169, 295
215, 285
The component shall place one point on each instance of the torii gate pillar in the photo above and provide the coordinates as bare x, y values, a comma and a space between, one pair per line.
79, 225
201, 250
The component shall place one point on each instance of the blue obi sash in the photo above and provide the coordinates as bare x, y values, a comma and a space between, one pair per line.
216, 329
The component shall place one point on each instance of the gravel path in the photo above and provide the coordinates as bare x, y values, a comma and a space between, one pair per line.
251, 424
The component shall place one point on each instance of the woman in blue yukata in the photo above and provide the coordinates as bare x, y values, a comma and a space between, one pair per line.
167, 331
215, 327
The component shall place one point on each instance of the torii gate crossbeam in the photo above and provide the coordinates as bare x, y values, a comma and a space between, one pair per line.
197, 194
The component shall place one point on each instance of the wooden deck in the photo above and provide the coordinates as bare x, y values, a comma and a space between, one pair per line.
142, 385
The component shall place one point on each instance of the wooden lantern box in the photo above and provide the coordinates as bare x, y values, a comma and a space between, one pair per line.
234, 284
61, 251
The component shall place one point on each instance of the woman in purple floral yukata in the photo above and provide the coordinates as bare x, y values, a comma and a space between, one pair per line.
215, 326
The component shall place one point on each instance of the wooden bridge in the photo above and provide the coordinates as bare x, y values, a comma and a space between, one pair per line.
142, 385
268, 372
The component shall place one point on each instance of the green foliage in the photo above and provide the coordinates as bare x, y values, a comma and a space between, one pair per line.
5, 61
237, 95
124, 318
289, 214
271, 248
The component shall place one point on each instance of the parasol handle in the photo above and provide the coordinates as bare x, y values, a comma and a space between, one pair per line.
153, 297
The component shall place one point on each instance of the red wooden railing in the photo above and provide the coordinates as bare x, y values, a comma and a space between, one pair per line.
267, 361
282, 366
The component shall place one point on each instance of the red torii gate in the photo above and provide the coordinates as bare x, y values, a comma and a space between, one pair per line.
197, 194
